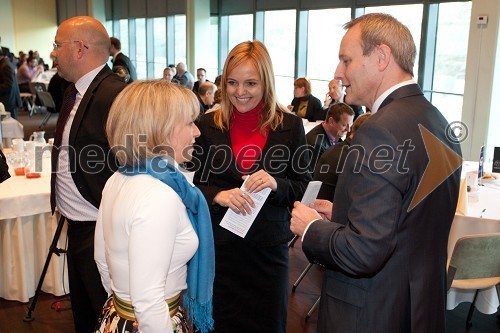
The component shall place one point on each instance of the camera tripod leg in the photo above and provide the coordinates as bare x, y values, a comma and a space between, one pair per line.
52, 250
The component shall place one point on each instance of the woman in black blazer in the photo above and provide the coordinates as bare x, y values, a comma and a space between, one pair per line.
251, 137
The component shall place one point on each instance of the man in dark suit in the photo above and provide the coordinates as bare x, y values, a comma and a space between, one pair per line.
120, 59
331, 131
83, 164
6, 51
9, 89
331, 163
385, 248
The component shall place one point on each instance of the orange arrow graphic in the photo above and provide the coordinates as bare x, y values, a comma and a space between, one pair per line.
443, 161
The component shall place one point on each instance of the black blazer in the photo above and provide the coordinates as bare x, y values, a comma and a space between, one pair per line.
4, 168
386, 264
122, 60
90, 156
314, 108
330, 165
216, 171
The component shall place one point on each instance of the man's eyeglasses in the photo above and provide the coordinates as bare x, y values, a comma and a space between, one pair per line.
57, 45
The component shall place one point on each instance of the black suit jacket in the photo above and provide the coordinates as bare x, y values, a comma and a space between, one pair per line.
319, 141
90, 156
122, 60
9, 89
330, 165
386, 264
4, 168
284, 157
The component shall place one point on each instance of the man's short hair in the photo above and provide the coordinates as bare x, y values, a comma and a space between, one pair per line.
116, 43
379, 28
202, 69
206, 86
337, 110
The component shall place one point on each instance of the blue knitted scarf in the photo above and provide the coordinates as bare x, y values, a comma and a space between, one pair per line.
201, 267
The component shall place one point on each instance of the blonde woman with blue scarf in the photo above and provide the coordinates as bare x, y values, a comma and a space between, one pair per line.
153, 241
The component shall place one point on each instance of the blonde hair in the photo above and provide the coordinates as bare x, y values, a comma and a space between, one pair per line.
256, 52
143, 116
378, 28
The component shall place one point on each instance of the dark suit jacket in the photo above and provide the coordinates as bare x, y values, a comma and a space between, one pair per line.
122, 60
9, 89
216, 171
314, 108
319, 141
4, 168
6, 52
90, 156
386, 266
330, 165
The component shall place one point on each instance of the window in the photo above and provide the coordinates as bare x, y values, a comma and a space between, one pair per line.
160, 46
123, 36
240, 29
180, 54
450, 58
212, 66
140, 48
279, 38
324, 33
409, 15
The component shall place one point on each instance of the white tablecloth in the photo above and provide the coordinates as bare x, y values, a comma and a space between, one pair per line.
26, 232
485, 203
11, 129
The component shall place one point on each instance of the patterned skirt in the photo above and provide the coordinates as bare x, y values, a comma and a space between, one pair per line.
117, 316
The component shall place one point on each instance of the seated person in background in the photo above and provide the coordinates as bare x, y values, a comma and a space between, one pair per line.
331, 163
152, 220
334, 95
217, 81
337, 124
304, 104
217, 99
185, 78
206, 96
27, 73
168, 74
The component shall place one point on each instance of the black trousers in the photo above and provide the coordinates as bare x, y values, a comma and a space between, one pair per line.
86, 291
250, 288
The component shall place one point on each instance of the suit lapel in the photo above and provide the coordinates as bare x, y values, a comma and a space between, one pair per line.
82, 108
404, 91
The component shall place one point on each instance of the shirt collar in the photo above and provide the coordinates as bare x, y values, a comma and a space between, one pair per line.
386, 93
84, 82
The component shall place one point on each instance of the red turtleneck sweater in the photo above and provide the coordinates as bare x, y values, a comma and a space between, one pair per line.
246, 139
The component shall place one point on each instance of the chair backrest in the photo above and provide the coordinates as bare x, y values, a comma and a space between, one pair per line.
46, 99
476, 257
37, 86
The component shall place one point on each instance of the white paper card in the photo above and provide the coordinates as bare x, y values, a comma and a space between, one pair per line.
311, 192
240, 224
